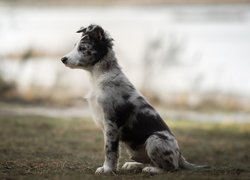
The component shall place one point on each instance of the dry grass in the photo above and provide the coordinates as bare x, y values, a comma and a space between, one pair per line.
40, 147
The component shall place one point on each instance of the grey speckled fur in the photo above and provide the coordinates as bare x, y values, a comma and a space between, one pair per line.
121, 111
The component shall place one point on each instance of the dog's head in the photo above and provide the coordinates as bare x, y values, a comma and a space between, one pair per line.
91, 48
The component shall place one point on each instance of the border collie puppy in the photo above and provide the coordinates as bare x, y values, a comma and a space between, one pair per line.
123, 114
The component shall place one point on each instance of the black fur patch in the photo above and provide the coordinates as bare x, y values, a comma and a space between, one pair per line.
167, 153
160, 166
114, 146
169, 166
102, 48
142, 127
122, 113
126, 97
88, 53
111, 124
170, 159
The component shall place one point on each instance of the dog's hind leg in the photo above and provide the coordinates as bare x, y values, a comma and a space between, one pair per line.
139, 157
163, 151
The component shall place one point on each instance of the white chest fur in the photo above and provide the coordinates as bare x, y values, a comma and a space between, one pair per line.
96, 109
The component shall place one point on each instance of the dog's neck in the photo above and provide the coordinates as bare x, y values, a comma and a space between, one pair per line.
107, 65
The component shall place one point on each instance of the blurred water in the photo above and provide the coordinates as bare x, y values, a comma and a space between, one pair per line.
190, 48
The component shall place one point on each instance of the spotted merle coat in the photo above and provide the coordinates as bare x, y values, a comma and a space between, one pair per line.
121, 111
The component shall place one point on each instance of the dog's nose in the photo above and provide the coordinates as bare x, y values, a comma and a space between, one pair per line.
64, 60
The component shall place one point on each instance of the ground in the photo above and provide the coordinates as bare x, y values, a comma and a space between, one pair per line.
35, 147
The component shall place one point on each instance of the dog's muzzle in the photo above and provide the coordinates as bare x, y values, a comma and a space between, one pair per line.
64, 60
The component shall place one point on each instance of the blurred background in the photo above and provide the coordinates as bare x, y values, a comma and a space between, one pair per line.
190, 58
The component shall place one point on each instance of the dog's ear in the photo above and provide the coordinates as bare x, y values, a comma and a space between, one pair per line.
81, 30
96, 32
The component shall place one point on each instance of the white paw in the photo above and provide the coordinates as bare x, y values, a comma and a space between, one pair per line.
132, 166
104, 170
152, 170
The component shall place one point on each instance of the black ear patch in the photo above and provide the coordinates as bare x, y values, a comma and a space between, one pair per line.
96, 32
100, 39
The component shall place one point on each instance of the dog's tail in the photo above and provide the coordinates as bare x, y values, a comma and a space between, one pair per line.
184, 164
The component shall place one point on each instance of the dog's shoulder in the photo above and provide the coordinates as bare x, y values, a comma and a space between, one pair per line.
114, 86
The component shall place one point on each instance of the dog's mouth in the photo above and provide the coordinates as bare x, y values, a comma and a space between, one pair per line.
65, 62
72, 66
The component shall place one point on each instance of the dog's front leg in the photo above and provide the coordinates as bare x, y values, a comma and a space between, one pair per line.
111, 149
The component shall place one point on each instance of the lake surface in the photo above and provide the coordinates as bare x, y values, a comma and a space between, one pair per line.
188, 49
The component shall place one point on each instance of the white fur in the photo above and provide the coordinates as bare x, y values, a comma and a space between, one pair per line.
74, 57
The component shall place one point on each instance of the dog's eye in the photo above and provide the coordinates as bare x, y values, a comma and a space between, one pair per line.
82, 48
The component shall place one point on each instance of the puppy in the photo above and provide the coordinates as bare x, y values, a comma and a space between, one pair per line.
121, 111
